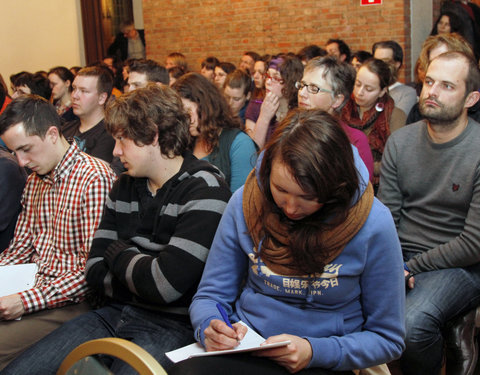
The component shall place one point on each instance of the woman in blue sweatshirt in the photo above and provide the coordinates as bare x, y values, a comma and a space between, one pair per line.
304, 252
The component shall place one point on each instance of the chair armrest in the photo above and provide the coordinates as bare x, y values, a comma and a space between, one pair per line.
127, 351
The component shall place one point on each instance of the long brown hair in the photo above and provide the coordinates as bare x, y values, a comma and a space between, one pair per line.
318, 154
213, 110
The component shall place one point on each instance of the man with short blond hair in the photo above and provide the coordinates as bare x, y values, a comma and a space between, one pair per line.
92, 88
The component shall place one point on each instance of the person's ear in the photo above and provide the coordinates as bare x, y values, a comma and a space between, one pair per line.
472, 99
102, 98
337, 101
53, 134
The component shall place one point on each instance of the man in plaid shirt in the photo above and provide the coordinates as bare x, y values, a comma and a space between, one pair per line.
62, 205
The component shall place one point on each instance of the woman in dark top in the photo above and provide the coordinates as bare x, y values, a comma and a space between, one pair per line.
281, 96
372, 110
61, 80
216, 133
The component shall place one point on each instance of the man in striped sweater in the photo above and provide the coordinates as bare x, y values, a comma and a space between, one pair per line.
149, 251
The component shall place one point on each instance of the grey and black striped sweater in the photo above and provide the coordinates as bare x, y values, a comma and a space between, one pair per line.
150, 251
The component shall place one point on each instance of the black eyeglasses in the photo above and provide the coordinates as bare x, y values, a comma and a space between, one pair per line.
312, 89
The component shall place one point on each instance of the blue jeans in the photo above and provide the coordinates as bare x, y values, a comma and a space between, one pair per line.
157, 333
438, 296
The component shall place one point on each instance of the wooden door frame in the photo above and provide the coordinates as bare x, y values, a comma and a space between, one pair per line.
92, 30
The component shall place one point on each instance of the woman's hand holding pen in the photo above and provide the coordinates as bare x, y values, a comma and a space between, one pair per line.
294, 357
219, 336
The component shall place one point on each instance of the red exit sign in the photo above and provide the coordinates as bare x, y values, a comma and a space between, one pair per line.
370, 2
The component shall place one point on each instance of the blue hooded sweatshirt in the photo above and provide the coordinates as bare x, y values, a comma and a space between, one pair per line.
352, 313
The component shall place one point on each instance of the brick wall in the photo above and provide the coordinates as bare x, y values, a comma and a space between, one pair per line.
227, 28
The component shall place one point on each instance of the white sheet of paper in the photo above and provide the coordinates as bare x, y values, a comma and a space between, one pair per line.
17, 278
250, 343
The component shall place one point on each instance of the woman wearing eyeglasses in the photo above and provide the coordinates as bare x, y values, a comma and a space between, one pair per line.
327, 84
281, 96
372, 110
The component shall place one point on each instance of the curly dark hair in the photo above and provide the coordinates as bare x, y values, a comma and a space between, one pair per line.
144, 113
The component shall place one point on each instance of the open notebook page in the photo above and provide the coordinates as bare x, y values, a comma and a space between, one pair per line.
250, 342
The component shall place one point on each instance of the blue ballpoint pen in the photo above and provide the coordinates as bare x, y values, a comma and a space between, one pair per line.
224, 315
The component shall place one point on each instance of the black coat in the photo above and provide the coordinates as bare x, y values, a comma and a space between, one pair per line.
119, 47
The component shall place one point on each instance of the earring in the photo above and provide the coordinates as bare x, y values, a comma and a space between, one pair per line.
379, 107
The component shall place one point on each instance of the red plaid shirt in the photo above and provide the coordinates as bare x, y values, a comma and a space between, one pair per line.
60, 214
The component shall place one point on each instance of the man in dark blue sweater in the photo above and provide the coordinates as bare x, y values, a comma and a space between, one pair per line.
149, 251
